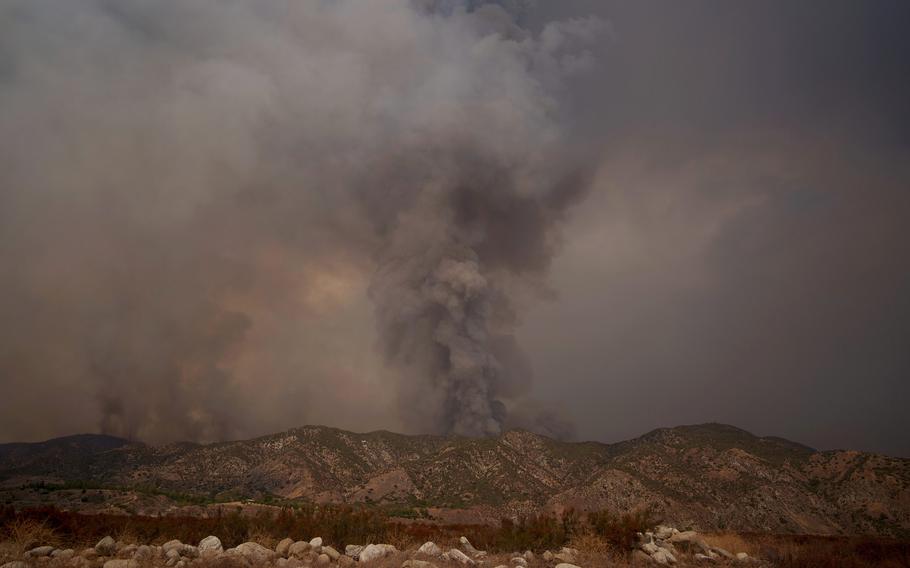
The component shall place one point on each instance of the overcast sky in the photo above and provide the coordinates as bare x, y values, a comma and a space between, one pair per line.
193, 245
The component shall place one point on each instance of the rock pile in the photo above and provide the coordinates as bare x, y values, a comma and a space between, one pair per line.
664, 544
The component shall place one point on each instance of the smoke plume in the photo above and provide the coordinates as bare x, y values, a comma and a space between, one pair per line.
194, 195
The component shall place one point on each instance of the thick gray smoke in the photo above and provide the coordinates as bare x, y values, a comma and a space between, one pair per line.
194, 196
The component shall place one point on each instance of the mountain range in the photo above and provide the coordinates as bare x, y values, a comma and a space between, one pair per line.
708, 477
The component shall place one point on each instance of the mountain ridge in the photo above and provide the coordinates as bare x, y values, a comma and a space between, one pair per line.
710, 476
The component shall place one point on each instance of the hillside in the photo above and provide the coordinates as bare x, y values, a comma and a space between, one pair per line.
709, 476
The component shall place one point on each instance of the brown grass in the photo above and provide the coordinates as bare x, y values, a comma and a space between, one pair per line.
733, 542
23, 534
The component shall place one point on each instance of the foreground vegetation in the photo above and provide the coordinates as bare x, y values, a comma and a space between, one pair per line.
603, 538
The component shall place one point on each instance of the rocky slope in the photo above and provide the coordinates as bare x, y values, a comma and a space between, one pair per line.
709, 476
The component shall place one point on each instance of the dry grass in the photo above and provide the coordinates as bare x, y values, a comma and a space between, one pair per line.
22, 535
733, 542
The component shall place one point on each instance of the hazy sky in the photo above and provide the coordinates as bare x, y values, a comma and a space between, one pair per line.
223, 219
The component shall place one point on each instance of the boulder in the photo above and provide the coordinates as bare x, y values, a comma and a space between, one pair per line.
528, 555
80, 562
353, 550
664, 532
143, 552
547, 555
346, 561
722, 552
15, 564
323, 559
64, 554
255, 552
639, 557
170, 545
469, 548
284, 546
456, 555
417, 564
89, 554
331, 552
298, 548
519, 561
649, 548
376, 551
121, 563
430, 549
690, 541
566, 565
40, 551
127, 551
189, 551
210, 544
106, 546
566, 555
662, 556
704, 558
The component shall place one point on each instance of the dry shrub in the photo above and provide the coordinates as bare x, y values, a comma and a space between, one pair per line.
24, 534
620, 530
591, 543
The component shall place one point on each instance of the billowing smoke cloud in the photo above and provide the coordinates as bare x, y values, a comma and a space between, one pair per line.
182, 182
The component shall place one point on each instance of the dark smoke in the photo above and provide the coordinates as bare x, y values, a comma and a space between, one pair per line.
442, 293
193, 197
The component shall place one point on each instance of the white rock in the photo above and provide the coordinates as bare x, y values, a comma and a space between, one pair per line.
353, 550
40, 551
323, 559
430, 549
519, 561
456, 555
316, 543
469, 548
106, 546
376, 551
649, 548
705, 559
663, 556
566, 565
528, 555
210, 544
725, 553
547, 555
